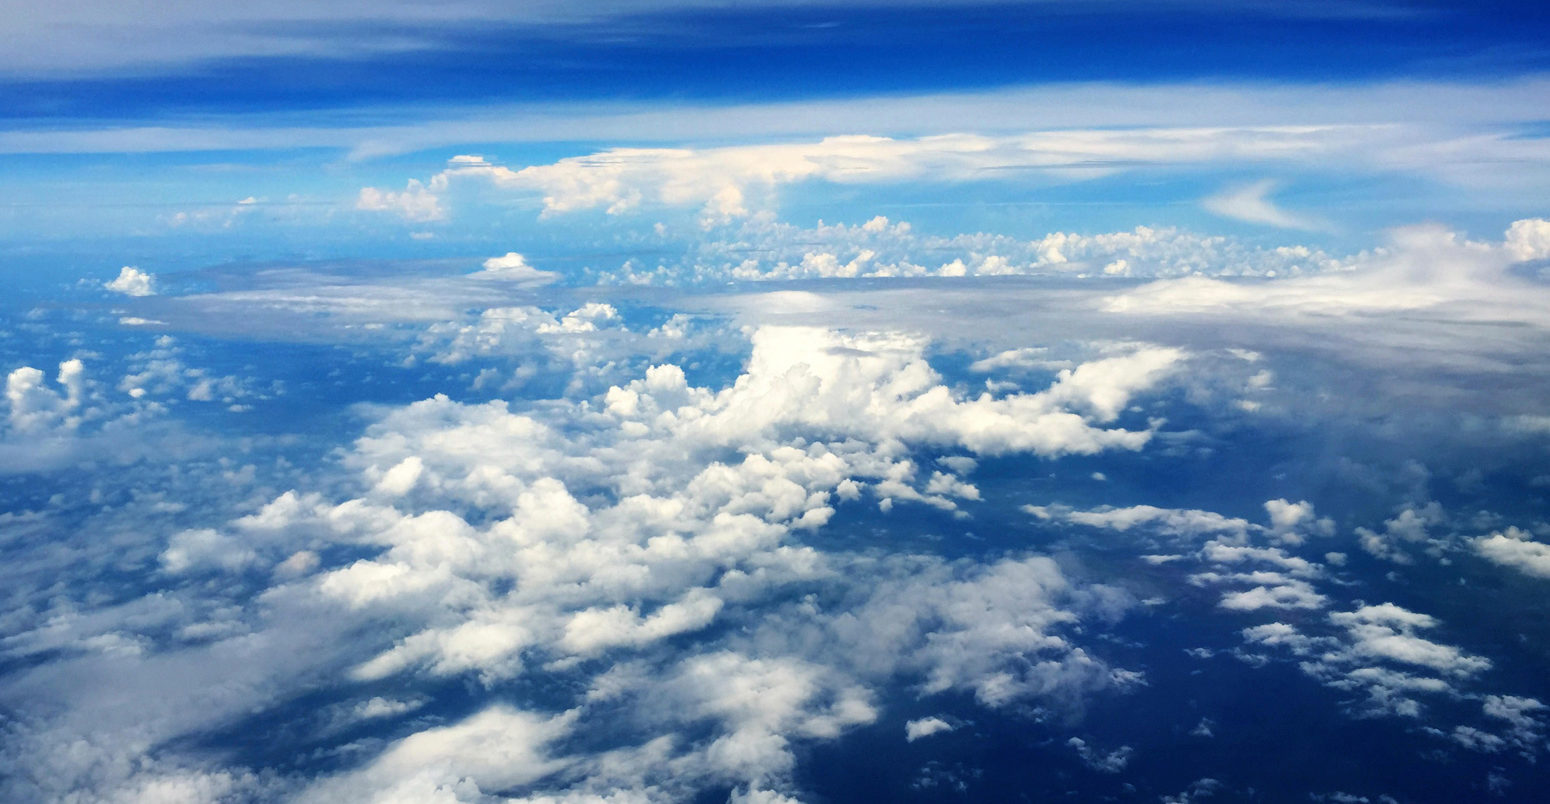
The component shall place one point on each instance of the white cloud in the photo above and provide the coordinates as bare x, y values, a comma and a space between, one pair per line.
925, 727
1251, 203
1423, 267
497, 749
1529, 239
1409, 527
1281, 593
1101, 761
1386, 632
722, 181
414, 203
1438, 111
36, 409
762, 249
513, 266
1173, 521
194, 549
132, 281
1513, 548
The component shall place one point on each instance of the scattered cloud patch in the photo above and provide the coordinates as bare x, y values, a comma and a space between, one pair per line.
1251, 204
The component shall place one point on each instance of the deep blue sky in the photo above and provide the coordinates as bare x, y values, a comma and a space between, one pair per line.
759, 53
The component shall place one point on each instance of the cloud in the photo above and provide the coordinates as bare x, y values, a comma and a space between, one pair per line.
925, 727
1101, 761
724, 181
1528, 239
1386, 632
762, 249
514, 267
1377, 652
36, 409
488, 564
132, 281
496, 749
1423, 267
1409, 527
414, 203
1373, 649
1513, 548
193, 549
1439, 111
1250, 204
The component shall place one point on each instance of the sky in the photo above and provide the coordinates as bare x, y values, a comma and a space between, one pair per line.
774, 401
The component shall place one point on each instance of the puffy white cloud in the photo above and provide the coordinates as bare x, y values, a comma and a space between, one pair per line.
1528, 239
1287, 586
1172, 521
1512, 547
35, 408
925, 727
1422, 267
497, 749
1409, 527
878, 386
1523, 716
594, 630
194, 549
132, 281
402, 478
1378, 653
1387, 632
513, 267
721, 181
1292, 521
415, 203
1272, 591
493, 563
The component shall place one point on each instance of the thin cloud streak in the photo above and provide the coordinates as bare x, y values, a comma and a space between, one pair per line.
1453, 106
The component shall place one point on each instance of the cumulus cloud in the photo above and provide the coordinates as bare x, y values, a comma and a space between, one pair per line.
763, 249
1290, 524
513, 267
193, 549
1529, 239
35, 408
1409, 527
1385, 631
490, 562
1377, 652
132, 281
925, 727
1514, 548
721, 181
1423, 267
495, 749
415, 203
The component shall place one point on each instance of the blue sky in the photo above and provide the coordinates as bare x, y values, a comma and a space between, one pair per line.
771, 402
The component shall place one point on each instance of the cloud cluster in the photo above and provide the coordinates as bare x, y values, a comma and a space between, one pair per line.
1424, 267
1374, 651
725, 182
650, 544
762, 249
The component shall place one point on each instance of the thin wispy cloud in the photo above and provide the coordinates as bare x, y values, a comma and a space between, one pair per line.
1251, 203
